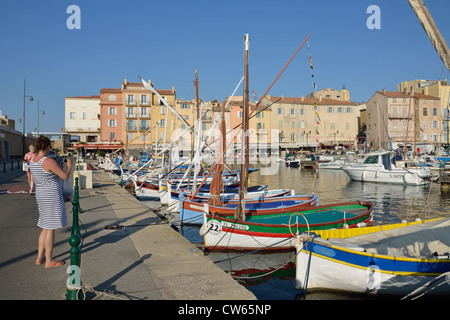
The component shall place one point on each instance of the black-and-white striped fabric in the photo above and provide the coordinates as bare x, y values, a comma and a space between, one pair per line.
49, 197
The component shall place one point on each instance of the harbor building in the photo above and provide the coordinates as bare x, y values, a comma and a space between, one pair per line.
308, 123
145, 115
395, 118
436, 88
330, 93
82, 118
260, 125
209, 112
111, 110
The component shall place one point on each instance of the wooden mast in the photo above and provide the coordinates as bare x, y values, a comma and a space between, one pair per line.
240, 209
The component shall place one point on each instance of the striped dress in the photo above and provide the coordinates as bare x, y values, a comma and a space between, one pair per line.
49, 197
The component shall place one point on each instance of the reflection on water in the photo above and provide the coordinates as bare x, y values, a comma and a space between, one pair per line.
272, 275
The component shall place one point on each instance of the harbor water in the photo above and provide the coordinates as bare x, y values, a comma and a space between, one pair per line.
272, 275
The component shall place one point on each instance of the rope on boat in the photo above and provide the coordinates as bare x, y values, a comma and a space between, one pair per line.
308, 266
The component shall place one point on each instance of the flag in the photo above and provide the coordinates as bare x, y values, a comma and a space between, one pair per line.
310, 62
254, 95
317, 114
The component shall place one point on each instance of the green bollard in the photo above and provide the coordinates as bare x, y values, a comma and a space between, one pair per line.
74, 281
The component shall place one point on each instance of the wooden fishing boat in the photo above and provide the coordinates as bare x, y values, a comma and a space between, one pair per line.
276, 231
155, 188
254, 193
192, 211
390, 262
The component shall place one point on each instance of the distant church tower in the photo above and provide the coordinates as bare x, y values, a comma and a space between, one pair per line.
346, 93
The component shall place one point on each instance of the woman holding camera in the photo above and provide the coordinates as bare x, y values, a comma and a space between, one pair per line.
47, 175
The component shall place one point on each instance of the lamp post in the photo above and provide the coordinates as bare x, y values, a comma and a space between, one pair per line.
39, 112
23, 128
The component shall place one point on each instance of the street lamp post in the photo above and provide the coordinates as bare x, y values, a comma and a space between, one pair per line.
23, 127
38, 115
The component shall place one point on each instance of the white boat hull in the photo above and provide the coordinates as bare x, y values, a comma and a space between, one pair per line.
374, 173
326, 274
394, 261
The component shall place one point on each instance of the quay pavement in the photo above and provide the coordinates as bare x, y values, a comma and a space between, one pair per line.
146, 260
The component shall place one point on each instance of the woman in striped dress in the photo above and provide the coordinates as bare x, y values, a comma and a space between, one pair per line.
47, 176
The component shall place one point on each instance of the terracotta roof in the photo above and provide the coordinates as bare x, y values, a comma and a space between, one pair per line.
235, 103
164, 91
318, 101
401, 94
84, 97
424, 96
117, 90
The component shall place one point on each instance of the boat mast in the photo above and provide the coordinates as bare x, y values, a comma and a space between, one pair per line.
195, 134
411, 95
240, 209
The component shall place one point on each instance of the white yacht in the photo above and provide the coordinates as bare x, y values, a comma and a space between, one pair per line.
380, 167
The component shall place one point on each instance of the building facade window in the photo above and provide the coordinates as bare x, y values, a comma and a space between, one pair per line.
130, 99
143, 125
112, 110
131, 125
143, 100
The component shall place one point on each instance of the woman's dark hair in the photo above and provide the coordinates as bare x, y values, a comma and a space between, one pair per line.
42, 143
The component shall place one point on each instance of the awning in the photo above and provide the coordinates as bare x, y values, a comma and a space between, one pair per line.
97, 146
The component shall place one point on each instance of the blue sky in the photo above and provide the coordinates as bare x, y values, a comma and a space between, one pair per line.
166, 40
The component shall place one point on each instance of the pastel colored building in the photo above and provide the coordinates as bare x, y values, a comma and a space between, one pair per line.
82, 118
435, 88
310, 123
111, 110
395, 118
259, 124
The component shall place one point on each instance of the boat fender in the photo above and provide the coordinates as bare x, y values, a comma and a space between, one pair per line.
205, 228
445, 255
361, 224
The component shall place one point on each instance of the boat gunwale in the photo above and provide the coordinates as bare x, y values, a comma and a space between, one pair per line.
368, 213
424, 261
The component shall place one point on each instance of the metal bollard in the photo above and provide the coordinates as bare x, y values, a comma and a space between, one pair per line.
74, 280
